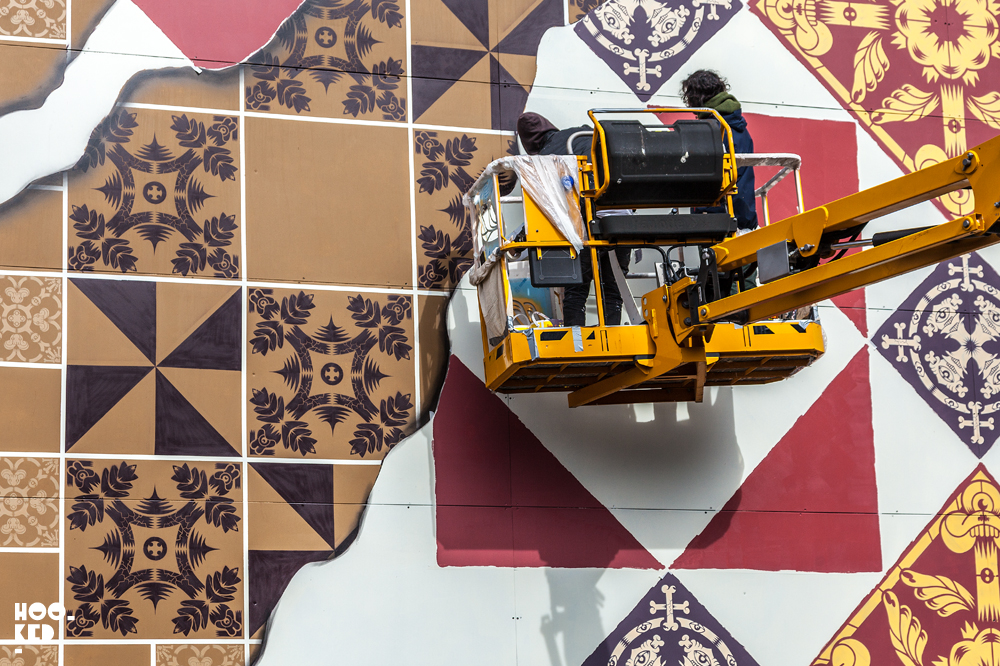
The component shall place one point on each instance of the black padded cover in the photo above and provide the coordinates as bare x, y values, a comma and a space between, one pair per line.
673, 165
704, 227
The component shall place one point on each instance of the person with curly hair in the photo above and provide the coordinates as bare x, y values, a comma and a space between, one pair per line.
707, 90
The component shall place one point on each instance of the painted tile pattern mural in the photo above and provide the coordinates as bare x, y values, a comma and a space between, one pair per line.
944, 340
474, 61
915, 73
156, 369
154, 545
940, 603
157, 192
31, 319
645, 43
202, 655
329, 389
358, 49
29, 513
37, 19
669, 626
30, 655
446, 166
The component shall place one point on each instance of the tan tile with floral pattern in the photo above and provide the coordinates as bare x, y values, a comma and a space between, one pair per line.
201, 655
38, 19
154, 549
331, 374
334, 60
158, 193
29, 655
31, 319
29, 512
446, 164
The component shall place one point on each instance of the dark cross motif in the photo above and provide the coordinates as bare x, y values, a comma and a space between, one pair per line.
900, 341
383, 422
155, 548
155, 513
332, 374
154, 192
154, 159
975, 423
326, 37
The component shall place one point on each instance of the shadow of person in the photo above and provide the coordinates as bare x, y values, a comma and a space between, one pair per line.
575, 617
661, 472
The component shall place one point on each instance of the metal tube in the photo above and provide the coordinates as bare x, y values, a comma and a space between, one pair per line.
573, 137
865, 242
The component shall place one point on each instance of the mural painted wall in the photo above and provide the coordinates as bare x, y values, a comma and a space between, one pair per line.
241, 381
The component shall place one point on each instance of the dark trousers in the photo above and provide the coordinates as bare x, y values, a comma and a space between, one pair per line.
575, 299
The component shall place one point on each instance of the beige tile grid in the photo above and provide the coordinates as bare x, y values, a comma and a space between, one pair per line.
413, 292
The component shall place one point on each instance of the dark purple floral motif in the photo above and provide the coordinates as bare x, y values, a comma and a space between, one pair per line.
375, 85
448, 257
397, 309
79, 474
263, 441
225, 129
309, 367
944, 339
228, 622
100, 594
226, 477
259, 96
262, 302
153, 210
84, 619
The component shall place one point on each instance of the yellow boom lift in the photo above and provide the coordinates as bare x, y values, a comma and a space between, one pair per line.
695, 329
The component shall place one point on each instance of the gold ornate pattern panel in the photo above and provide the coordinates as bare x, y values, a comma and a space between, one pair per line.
40, 19
29, 513
446, 165
154, 549
330, 374
334, 59
940, 604
154, 368
158, 192
920, 75
31, 324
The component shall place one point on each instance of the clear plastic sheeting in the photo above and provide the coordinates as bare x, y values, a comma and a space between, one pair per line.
552, 182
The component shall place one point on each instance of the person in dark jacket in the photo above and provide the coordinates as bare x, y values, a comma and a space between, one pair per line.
706, 89
540, 137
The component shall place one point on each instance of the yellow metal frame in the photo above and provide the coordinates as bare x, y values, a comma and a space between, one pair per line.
676, 352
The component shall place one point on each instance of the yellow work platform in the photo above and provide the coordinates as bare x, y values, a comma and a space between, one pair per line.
668, 189
550, 359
